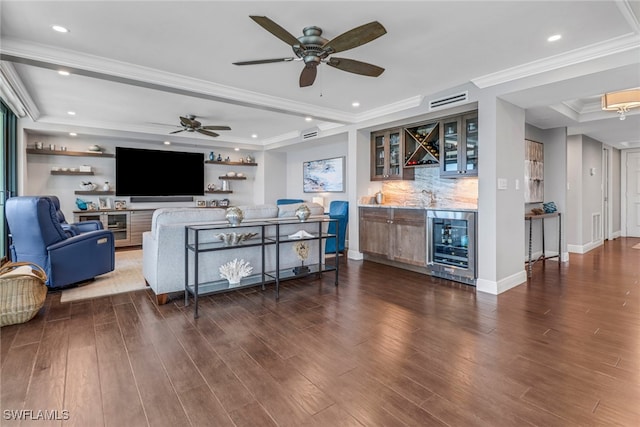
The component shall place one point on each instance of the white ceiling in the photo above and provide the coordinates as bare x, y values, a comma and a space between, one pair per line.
138, 65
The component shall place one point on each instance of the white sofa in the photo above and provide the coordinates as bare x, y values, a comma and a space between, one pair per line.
163, 248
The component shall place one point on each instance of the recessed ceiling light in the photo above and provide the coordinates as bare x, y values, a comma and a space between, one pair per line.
554, 38
73, 134
167, 143
355, 104
59, 28
64, 73
308, 119
71, 113
236, 149
254, 135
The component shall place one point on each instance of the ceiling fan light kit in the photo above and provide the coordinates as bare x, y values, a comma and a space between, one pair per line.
621, 101
313, 49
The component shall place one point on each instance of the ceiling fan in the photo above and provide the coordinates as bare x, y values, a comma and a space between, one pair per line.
314, 49
190, 124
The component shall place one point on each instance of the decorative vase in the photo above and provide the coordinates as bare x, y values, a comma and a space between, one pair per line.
211, 156
106, 187
234, 215
303, 213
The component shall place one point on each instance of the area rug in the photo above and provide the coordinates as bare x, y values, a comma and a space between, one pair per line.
126, 277
636, 246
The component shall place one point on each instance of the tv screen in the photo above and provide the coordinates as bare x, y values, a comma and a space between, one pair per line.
158, 173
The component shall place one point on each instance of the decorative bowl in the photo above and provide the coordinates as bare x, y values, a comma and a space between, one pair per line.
88, 187
231, 174
239, 174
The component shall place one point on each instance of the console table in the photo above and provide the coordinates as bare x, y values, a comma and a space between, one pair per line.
542, 217
269, 233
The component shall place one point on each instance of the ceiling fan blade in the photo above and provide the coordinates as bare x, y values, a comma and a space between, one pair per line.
263, 61
355, 37
276, 30
176, 131
357, 67
212, 127
308, 75
207, 132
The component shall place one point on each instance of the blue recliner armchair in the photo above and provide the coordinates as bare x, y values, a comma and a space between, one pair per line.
75, 228
338, 209
38, 237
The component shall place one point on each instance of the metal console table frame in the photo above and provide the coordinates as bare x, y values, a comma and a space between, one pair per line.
530, 218
193, 245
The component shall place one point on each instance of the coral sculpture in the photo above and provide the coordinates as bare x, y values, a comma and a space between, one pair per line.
235, 270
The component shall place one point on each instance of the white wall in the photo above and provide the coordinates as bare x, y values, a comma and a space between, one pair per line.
314, 149
555, 189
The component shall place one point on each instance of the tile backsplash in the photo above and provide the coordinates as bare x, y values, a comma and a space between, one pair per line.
428, 189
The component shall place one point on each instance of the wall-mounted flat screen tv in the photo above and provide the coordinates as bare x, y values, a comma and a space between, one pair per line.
141, 172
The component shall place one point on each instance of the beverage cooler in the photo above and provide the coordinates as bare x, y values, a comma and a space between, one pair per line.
451, 245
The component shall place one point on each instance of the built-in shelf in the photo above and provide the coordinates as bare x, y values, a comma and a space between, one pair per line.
70, 153
70, 173
215, 162
237, 178
94, 193
218, 191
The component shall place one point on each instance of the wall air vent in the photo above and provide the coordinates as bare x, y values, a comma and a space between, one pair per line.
310, 133
448, 100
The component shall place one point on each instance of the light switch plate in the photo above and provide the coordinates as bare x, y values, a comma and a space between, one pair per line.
502, 183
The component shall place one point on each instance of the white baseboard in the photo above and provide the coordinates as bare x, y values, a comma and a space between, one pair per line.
355, 255
495, 288
616, 234
583, 249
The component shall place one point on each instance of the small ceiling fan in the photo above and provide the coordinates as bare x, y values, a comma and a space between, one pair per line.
314, 49
190, 124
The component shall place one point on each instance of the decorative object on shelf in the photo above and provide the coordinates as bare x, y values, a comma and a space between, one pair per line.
52, 147
95, 148
104, 203
234, 215
91, 206
249, 159
231, 174
235, 270
211, 187
303, 213
85, 168
537, 211
219, 157
228, 159
81, 204
120, 204
223, 203
87, 186
225, 185
379, 197
38, 145
549, 207
232, 239
240, 175
212, 156
105, 186
201, 203
302, 251
300, 234
212, 203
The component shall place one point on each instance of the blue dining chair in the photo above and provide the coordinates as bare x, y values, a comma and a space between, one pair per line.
338, 209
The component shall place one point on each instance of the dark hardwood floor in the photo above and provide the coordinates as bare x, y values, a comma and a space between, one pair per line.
387, 347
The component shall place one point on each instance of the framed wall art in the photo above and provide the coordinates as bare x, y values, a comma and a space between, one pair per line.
326, 175
533, 172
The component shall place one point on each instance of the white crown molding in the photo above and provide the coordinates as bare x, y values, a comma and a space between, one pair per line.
395, 107
598, 50
99, 67
15, 93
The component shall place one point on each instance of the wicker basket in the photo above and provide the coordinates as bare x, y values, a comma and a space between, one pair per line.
22, 292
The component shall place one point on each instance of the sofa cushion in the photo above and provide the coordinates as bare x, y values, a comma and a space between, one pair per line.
165, 216
259, 211
286, 211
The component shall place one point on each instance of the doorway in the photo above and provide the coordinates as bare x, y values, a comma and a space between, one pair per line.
631, 193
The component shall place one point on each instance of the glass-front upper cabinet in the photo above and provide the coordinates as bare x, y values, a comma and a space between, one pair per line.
387, 156
459, 149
